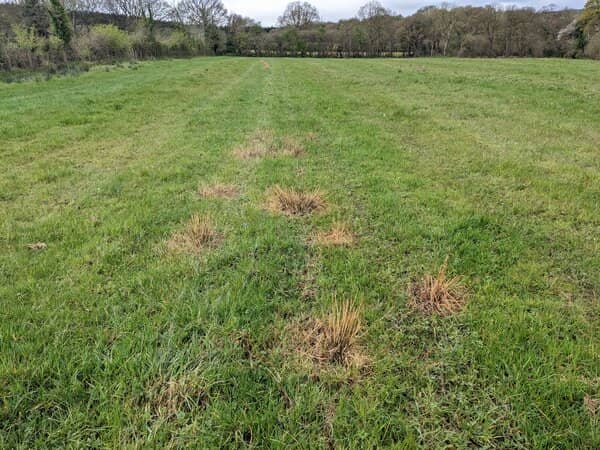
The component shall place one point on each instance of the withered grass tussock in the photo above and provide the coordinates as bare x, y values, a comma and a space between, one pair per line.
438, 294
591, 405
218, 190
333, 339
168, 398
337, 235
294, 203
197, 235
341, 329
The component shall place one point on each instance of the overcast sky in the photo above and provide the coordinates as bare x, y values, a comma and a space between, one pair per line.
267, 11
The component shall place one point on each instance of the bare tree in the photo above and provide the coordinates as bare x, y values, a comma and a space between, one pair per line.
444, 25
210, 16
129, 8
84, 5
299, 15
206, 13
372, 9
157, 9
238, 32
490, 22
378, 24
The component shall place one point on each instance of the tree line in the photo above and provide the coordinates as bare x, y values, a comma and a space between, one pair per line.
50, 33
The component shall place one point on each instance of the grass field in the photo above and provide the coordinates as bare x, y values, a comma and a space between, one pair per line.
116, 330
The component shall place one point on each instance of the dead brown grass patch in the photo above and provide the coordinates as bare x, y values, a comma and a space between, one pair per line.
197, 235
311, 136
218, 190
294, 203
290, 146
38, 246
591, 405
263, 143
168, 398
334, 338
340, 332
438, 294
337, 235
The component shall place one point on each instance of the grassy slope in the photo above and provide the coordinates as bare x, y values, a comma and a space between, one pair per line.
494, 163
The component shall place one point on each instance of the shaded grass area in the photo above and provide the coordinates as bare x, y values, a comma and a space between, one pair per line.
107, 339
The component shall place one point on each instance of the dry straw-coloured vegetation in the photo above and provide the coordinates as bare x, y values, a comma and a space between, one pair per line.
438, 294
260, 144
168, 398
290, 146
198, 235
218, 190
591, 405
264, 143
338, 235
334, 338
38, 246
293, 202
341, 330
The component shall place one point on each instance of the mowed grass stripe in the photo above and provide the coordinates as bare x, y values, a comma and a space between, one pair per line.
497, 215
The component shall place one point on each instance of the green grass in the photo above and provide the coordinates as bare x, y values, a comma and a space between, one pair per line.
493, 163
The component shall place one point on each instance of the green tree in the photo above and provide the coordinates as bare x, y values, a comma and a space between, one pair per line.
590, 17
61, 24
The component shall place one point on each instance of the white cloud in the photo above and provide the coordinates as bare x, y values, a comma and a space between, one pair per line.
267, 11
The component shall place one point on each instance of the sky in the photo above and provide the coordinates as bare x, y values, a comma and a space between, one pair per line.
267, 11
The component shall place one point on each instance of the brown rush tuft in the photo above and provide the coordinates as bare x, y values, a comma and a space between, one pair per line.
294, 203
337, 235
197, 235
438, 294
218, 190
334, 338
341, 328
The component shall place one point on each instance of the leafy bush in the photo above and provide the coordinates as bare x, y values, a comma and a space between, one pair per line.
144, 43
54, 50
23, 50
180, 43
592, 49
108, 43
82, 47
